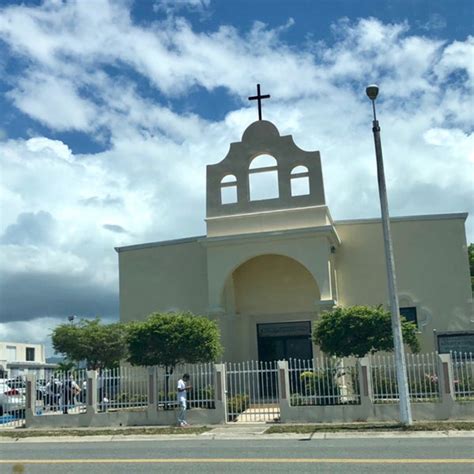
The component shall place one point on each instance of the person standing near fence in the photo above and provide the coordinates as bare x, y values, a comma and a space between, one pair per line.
70, 390
183, 387
53, 393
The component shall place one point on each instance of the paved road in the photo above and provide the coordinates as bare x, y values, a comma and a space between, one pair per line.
420, 455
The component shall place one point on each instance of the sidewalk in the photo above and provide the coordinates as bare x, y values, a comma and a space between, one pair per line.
253, 431
223, 432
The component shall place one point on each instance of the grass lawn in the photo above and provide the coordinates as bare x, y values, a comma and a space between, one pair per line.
131, 431
329, 427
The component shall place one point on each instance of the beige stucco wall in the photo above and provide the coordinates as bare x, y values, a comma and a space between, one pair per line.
163, 277
272, 284
176, 276
200, 275
431, 267
283, 219
310, 248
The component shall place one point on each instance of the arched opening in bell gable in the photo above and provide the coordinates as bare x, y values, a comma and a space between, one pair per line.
263, 178
299, 180
228, 187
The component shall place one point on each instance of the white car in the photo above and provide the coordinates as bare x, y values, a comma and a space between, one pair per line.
10, 398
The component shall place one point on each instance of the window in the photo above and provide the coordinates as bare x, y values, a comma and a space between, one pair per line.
263, 178
409, 312
229, 189
11, 353
30, 354
299, 180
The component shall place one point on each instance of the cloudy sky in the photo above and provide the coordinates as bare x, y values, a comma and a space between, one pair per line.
112, 109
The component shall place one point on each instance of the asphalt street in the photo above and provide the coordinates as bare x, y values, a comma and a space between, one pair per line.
407, 455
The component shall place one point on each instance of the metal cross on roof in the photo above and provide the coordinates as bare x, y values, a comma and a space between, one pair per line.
259, 98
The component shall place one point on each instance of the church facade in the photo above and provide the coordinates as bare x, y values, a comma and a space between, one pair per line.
273, 259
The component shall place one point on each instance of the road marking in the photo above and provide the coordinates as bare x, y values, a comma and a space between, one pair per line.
239, 460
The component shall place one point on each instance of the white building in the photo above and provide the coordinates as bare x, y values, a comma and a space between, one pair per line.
20, 358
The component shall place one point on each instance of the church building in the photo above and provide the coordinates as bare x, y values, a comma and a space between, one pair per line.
273, 259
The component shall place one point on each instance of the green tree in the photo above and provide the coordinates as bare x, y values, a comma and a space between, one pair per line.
168, 339
358, 330
65, 366
471, 264
100, 345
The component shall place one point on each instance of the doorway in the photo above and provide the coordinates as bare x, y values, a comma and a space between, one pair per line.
283, 341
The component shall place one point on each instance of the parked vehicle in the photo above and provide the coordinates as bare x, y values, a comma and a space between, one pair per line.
11, 400
18, 384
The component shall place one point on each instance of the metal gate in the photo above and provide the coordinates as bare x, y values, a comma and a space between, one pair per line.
252, 392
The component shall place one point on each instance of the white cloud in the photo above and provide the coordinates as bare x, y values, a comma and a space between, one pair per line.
172, 6
435, 22
45, 145
28, 258
457, 56
54, 102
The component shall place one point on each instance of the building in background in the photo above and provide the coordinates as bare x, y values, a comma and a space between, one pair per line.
18, 359
273, 259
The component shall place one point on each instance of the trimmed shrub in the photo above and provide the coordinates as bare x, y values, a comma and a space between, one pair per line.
237, 404
322, 385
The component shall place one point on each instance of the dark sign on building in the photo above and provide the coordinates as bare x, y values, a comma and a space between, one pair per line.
455, 341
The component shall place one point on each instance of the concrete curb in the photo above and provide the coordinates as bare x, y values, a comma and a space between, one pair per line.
229, 434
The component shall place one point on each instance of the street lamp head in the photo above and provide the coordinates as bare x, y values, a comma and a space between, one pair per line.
372, 91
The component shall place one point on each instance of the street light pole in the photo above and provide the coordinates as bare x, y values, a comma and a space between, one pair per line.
404, 396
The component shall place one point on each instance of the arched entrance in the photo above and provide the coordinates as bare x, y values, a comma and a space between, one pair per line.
274, 298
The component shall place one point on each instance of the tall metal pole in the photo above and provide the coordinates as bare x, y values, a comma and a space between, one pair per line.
404, 396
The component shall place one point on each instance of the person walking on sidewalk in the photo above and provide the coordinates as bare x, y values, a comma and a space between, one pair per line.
183, 387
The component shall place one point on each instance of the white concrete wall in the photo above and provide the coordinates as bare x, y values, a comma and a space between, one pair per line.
21, 351
374, 412
196, 416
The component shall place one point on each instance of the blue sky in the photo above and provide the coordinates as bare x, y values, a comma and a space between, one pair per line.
111, 111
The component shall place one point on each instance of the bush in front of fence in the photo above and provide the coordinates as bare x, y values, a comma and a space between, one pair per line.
202, 397
167, 401
423, 388
237, 404
464, 385
131, 399
317, 388
420, 386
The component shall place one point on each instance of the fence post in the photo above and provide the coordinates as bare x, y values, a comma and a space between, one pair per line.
366, 389
30, 408
283, 389
445, 379
152, 395
220, 393
91, 401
